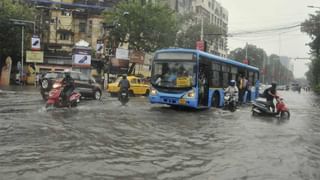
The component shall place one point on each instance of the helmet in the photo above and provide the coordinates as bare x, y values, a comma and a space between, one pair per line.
274, 84
124, 76
232, 83
67, 74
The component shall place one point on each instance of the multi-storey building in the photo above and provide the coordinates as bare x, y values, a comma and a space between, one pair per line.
62, 23
213, 13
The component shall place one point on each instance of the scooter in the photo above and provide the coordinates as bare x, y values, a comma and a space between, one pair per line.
264, 109
123, 97
55, 99
230, 102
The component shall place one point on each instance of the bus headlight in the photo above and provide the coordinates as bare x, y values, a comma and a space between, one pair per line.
153, 92
190, 94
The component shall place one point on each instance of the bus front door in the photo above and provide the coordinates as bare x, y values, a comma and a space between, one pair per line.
203, 87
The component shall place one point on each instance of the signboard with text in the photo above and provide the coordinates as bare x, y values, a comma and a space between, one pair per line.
119, 66
34, 56
137, 57
122, 53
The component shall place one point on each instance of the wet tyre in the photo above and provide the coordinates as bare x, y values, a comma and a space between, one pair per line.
285, 115
97, 95
147, 92
45, 84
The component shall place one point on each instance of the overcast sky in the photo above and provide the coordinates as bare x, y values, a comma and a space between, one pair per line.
254, 15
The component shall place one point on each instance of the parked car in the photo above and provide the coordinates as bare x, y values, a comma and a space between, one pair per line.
87, 86
137, 86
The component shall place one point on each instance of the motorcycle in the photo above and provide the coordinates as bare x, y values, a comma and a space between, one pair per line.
55, 98
230, 102
124, 96
263, 108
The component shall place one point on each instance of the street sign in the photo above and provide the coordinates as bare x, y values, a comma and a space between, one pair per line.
35, 43
137, 57
82, 60
200, 45
34, 56
119, 66
99, 47
122, 53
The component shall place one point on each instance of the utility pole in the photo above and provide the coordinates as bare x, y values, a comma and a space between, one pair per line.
201, 36
22, 23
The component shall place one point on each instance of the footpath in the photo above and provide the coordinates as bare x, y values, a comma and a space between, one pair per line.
28, 89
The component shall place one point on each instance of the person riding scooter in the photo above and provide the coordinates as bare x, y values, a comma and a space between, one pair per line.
233, 90
69, 87
270, 94
124, 84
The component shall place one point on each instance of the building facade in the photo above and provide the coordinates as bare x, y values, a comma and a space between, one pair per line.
63, 23
212, 12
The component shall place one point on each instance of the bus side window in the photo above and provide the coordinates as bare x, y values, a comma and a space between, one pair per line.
215, 81
225, 75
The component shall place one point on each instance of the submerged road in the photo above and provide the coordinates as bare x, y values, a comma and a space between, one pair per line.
104, 140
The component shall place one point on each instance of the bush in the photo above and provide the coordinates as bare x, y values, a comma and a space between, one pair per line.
317, 88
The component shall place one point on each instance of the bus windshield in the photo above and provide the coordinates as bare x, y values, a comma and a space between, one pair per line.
173, 74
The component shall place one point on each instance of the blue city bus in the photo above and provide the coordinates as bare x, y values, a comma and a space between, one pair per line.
193, 78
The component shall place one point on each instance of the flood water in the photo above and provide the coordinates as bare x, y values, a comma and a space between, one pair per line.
104, 140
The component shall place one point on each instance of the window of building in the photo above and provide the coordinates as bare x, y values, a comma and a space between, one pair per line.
82, 27
64, 36
65, 13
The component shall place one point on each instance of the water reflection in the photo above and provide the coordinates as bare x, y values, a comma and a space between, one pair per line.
103, 140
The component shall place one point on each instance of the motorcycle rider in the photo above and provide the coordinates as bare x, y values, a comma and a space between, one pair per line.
69, 87
124, 84
270, 94
233, 90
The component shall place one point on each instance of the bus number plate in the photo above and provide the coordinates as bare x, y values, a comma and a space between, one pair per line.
182, 101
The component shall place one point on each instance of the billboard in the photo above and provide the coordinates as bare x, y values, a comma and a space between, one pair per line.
122, 53
137, 57
35, 43
82, 60
34, 56
99, 47
81, 57
119, 66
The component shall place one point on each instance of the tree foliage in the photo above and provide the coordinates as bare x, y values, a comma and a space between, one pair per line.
311, 26
269, 65
10, 34
189, 37
146, 27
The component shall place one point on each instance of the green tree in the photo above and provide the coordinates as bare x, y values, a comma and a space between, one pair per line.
146, 27
188, 38
273, 69
256, 56
312, 27
10, 35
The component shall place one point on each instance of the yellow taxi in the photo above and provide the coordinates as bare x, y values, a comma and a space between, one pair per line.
137, 86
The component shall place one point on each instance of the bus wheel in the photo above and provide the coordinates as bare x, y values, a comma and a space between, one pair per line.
215, 100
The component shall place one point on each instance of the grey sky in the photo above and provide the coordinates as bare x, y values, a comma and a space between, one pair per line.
252, 15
